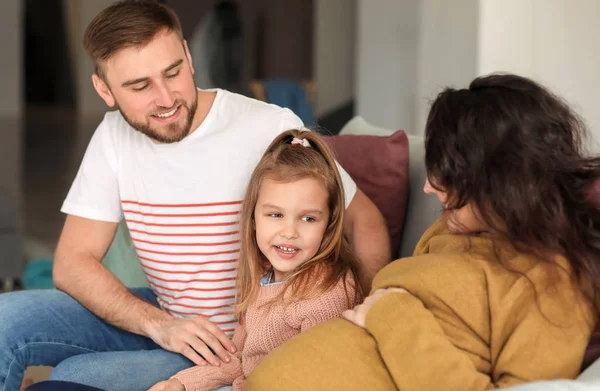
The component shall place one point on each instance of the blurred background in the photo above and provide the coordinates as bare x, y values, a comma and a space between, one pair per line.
380, 59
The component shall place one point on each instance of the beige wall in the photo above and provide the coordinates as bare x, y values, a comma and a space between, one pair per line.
334, 59
79, 14
11, 24
447, 40
386, 61
11, 98
553, 41
406, 51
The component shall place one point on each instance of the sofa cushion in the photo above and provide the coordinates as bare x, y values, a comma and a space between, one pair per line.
122, 260
379, 166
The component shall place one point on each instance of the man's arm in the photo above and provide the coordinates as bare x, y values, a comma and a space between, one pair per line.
366, 231
78, 271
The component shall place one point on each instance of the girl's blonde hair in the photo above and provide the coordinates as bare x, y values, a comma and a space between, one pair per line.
334, 261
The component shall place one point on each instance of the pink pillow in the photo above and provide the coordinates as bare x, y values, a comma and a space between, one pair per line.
379, 166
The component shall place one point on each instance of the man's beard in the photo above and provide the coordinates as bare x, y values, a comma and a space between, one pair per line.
174, 134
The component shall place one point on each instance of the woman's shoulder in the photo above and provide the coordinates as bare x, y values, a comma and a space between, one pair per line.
440, 227
439, 239
447, 259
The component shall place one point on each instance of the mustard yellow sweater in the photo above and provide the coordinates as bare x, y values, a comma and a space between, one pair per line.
468, 324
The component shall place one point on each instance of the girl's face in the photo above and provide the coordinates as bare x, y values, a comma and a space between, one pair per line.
290, 220
462, 220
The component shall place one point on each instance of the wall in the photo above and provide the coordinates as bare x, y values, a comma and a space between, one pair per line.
567, 55
11, 24
80, 13
386, 66
11, 98
552, 41
406, 51
447, 51
506, 37
334, 59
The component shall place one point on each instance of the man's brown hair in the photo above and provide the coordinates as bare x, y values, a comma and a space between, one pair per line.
128, 23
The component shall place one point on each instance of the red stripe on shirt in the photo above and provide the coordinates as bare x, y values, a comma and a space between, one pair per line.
187, 244
231, 321
198, 298
193, 313
182, 205
198, 307
193, 280
186, 254
184, 215
223, 314
183, 225
187, 263
225, 288
190, 272
190, 234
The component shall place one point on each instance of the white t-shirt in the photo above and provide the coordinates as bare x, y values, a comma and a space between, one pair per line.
182, 201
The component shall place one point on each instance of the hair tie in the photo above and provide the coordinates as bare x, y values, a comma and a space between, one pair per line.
304, 142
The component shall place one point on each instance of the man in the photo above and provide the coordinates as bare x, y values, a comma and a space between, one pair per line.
174, 162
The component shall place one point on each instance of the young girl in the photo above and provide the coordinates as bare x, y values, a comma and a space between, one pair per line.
295, 269
501, 290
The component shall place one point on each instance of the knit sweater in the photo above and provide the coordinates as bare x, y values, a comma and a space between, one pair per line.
468, 323
265, 327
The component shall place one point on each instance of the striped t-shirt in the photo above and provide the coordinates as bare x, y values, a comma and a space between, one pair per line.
182, 201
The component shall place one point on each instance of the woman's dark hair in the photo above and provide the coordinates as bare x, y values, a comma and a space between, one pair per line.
514, 151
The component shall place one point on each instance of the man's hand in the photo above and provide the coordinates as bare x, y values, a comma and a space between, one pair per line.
358, 315
168, 385
192, 337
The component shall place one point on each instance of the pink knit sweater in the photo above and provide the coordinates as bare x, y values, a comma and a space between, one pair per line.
265, 328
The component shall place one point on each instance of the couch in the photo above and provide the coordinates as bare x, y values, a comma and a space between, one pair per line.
420, 212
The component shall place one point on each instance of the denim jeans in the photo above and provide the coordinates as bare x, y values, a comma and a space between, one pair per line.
48, 327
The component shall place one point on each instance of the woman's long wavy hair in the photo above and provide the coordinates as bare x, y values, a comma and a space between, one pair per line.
514, 151
334, 261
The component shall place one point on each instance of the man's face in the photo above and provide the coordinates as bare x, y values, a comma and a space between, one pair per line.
153, 87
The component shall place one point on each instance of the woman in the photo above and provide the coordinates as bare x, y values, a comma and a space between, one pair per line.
502, 289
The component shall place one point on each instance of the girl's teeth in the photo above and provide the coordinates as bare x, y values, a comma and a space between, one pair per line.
287, 249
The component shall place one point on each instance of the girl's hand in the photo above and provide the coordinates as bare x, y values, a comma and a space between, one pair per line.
358, 315
168, 385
